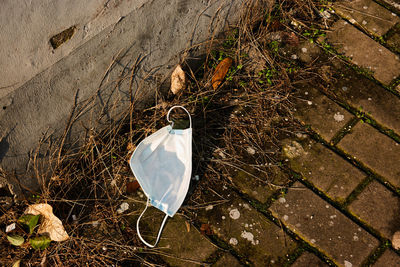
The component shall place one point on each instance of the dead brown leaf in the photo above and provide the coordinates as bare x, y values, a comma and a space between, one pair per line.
178, 80
132, 187
187, 226
50, 223
220, 72
205, 229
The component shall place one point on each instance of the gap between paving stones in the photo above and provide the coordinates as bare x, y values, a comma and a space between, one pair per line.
379, 39
304, 246
342, 208
329, 49
359, 115
348, 157
308, 228
262, 208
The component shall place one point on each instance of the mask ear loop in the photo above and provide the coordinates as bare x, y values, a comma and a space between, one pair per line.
159, 231
172, 123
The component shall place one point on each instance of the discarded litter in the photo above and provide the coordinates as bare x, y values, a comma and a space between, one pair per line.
122, 208
162, 164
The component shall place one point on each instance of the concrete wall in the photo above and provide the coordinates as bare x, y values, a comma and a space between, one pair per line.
42, 86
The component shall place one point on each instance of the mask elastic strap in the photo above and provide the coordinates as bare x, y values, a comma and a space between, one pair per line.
190, 118
159, 231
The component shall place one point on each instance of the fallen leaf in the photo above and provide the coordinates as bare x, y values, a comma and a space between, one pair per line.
220, 72
16, 240
205, 229
50, 223
29, 220
10, 227
131, 187
40, 242
178, 80
17, 263
187, 226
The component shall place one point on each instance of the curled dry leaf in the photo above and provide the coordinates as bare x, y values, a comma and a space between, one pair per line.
205, 229
187, 226
178, 80
50, 223
131, 187
220, 72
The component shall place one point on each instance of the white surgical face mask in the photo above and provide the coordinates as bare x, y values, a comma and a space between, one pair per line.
162, 164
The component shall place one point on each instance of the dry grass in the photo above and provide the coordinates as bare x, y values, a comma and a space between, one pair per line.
251, 110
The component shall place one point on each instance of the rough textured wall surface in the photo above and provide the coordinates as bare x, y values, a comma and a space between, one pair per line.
87, 74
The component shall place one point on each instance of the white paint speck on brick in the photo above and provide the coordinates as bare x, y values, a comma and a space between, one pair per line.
338, 117
233, 241
234, 214
248, 236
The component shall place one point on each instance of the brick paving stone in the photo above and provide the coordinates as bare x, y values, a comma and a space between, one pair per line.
247, 231
364, 51
375, 150
324, 227
325, 169
255, 184
317, 110
368, 15
364, 94
227, 260
393, 3
180, 246
379, 208
308, 259
388, 259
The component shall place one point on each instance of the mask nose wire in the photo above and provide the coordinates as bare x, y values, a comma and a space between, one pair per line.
190, 118
159, 231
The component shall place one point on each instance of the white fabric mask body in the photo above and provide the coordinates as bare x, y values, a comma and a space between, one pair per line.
162, 164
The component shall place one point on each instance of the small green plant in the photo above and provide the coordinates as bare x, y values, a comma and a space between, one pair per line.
266, 75
274, 46
28, 224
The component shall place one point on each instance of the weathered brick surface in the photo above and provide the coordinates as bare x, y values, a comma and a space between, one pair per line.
365, 95
324, 227
378, 207
368, 15
389, 258
248, 231
256, 184
227, 260
317, 110
393, 3
179, 246
364, 51
308, 259
184, 245
377, 151
325, 169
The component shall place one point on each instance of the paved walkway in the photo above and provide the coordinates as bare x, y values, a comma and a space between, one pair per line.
344, 206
